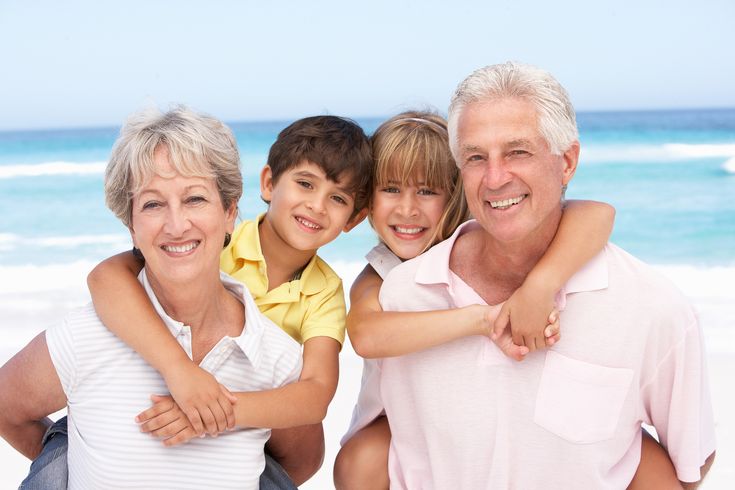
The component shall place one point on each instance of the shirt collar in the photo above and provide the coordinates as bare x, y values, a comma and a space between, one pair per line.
249, 341
247, 247
434, 267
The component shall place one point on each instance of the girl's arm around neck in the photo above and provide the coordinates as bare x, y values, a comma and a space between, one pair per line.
125, 309
376, 333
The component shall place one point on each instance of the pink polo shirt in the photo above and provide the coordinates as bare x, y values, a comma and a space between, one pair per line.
462, 415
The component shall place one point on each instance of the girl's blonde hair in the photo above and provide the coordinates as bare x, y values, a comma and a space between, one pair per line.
414, 146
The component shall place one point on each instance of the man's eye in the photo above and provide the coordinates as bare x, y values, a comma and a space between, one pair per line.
519, 153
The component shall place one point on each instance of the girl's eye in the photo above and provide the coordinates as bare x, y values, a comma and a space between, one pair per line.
390, 190
425, 191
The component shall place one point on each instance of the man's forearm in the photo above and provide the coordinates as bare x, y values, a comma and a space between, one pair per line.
299, 450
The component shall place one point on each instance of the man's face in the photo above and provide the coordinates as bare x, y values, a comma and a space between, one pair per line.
512, 182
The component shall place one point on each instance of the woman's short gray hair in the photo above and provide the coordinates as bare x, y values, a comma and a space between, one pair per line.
198, 146
556, 119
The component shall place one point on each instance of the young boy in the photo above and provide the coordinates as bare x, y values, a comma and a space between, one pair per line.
315, 182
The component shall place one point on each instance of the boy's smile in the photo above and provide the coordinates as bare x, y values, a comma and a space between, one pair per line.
306, 210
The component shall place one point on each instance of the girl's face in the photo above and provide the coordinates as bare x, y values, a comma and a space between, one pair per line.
406, 216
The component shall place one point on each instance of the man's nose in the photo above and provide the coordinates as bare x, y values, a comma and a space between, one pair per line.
496, 174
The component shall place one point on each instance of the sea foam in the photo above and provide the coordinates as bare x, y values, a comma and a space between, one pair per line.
51, 168
657, 153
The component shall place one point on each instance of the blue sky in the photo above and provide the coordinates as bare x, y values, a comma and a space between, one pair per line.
86, 63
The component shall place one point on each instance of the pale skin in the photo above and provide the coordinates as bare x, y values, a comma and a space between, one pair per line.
501, 151
362, 462
293, 411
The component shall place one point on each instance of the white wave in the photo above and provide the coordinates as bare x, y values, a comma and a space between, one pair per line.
666, 152
51, 168
10, 241
729, 166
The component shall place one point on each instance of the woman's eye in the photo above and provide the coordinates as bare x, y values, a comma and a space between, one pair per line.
151, 205
195, 200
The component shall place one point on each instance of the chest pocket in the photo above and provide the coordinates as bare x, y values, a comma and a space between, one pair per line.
578, 401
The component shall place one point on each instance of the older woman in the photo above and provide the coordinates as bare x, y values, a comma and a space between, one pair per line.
174, 181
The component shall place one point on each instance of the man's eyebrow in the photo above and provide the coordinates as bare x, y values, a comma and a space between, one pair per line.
519, 142
471, 148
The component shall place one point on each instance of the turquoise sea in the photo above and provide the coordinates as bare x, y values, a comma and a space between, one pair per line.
670, 175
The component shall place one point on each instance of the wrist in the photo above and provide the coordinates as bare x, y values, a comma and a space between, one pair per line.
174, 365
544, 285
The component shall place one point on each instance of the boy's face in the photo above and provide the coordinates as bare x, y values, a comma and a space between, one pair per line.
307, 210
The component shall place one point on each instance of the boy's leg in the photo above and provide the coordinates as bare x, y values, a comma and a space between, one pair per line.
362, 463
292, 456
49, 471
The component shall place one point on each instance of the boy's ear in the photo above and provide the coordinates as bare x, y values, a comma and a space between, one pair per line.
266, 184
356, 220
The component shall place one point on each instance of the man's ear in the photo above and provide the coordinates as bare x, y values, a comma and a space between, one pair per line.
571, 158
266, 184
356, 220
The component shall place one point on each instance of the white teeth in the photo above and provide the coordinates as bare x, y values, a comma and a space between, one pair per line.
180, 248
308, 224
408, 231
506, 203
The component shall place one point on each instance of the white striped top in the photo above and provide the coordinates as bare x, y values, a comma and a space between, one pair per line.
107, 384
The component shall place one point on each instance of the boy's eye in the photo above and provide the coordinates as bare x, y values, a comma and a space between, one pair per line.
305, 184
339, 199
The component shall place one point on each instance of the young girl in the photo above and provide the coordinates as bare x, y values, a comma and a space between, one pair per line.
417, 201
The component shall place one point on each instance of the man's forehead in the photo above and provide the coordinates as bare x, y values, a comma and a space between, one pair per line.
510, 122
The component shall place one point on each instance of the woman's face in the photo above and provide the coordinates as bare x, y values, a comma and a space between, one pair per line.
406, 217
179, 225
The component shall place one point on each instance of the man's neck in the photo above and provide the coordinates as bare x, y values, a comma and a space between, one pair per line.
283, 262
495, 269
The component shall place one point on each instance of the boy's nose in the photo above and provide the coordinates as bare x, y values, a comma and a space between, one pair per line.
317, 204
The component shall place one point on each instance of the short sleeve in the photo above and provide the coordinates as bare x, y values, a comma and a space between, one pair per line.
326, 314
60, 342
679, 404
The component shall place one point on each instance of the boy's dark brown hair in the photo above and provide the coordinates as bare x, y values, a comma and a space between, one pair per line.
336, 144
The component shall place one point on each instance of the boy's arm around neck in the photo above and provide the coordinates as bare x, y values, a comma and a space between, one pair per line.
124, 307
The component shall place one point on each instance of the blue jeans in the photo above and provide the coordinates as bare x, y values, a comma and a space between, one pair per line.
49, 471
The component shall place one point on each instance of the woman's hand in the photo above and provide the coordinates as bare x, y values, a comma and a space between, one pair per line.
165, 420
204, 401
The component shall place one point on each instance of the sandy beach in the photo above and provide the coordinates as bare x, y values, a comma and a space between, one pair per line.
13, 466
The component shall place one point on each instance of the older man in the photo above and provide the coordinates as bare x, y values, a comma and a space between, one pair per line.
463, 415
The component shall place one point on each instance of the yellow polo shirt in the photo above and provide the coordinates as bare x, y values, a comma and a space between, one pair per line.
312, 306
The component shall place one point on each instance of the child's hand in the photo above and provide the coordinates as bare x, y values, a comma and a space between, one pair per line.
487, 317
205, 403
165, 420
527, 314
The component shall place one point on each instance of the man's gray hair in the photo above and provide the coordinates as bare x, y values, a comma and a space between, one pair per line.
198, 146
556, 119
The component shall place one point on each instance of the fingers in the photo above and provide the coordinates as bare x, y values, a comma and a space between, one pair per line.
226, 403
161, 404
501, 322
184, 436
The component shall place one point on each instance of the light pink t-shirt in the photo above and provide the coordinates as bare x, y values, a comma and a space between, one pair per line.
462, 415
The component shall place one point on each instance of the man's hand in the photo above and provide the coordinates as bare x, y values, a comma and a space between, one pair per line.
206, 403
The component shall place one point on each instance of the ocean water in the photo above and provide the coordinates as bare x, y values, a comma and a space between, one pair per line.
670, 175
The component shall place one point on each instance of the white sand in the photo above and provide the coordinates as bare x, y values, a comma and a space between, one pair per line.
717, 319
